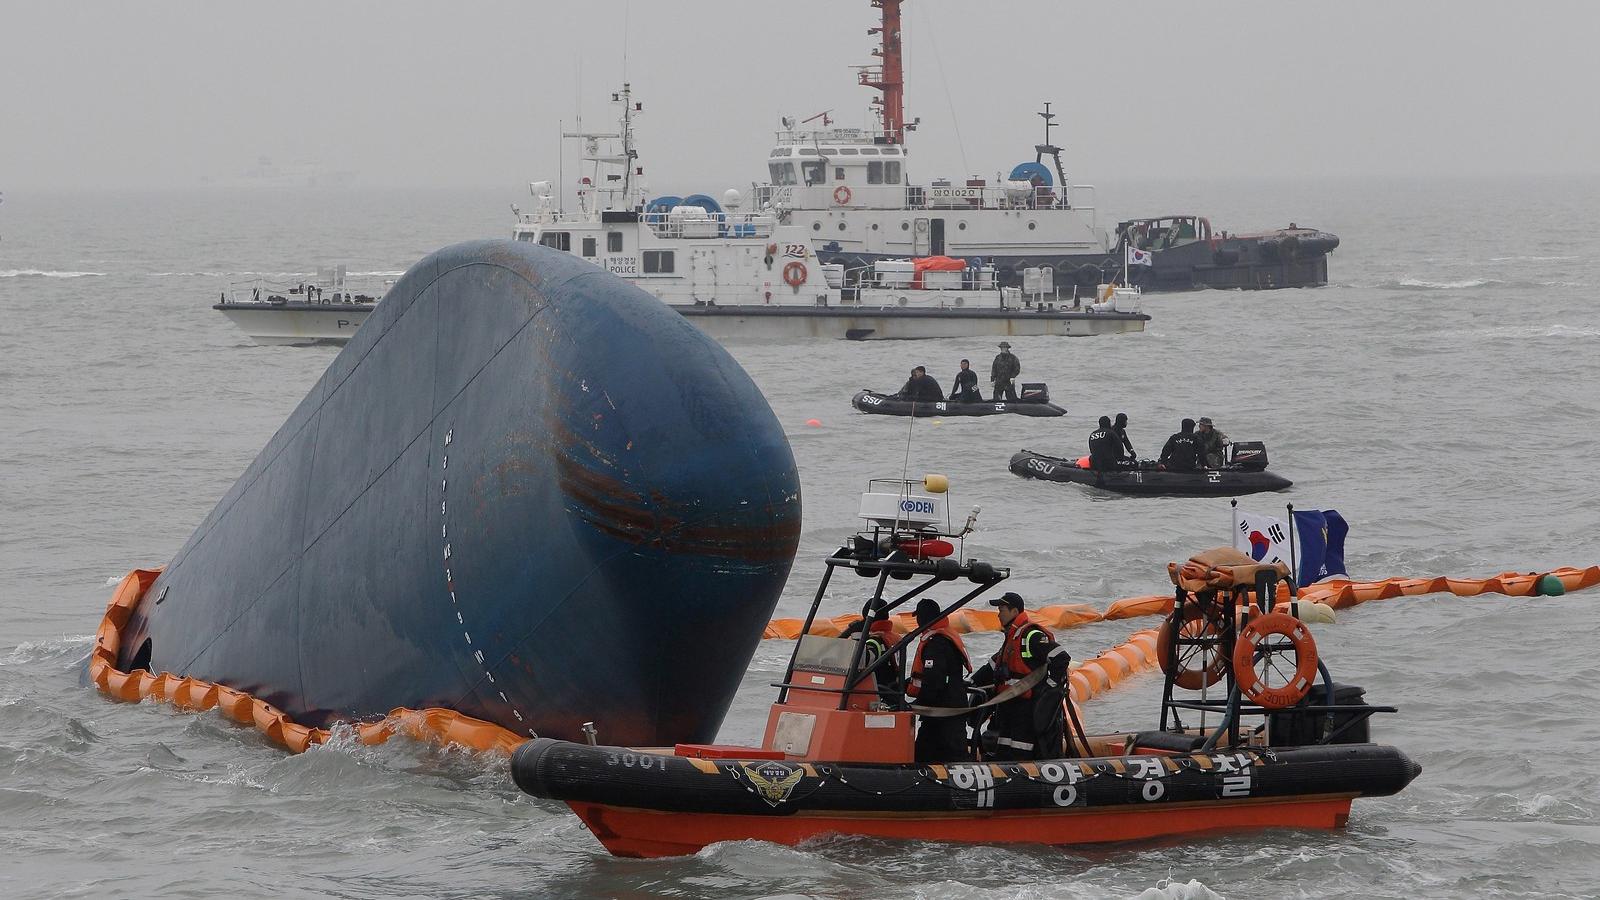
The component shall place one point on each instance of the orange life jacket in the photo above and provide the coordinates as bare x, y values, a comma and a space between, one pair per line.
1010, 663
914, 686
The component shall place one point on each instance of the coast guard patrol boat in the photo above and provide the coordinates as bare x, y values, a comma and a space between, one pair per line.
757, 274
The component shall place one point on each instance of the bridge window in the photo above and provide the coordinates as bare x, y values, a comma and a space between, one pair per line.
658, 262
847, 151
869, 151
816, 172
782, 173
838, 173
781, 151
588, 246
891, 173
613, 242
560, 240
874, 172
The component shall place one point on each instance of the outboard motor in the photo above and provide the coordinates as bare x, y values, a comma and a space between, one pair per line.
1248, 455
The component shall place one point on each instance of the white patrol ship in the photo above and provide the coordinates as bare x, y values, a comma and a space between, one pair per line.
741, 274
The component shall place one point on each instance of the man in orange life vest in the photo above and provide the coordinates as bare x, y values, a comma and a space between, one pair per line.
939, 679
1030, 725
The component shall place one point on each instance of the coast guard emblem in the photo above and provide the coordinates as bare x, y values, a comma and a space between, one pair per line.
773, 781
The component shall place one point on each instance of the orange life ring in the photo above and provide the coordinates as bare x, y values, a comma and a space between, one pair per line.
1195, 624
794, 274
1251, 685
841, 195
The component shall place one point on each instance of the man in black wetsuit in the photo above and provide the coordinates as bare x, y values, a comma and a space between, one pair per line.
1105, 451
939, 679
1119, 427
921, 388
1006, 367
965, 390
1182, 452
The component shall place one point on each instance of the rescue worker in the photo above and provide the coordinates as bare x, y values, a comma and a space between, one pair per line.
920, 388
1105, 451
880, 637
939, 678
1006, 367
1182, 452
1120, 428
1213, 443
965, 390
1032, 724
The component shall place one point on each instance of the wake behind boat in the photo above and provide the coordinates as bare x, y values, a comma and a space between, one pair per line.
1034, 401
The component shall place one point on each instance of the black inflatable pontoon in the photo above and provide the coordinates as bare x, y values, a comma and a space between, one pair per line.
1033, 403
1229, 481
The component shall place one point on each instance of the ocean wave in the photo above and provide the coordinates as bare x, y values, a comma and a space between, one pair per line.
1419, 283
44, 273
1531, 258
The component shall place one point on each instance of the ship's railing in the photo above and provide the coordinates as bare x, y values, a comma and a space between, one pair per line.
713, 225
952, 197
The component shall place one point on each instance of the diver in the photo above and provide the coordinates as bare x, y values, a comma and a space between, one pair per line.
1119, 427
1213, 444
939, 679
1006, 366
1105, 451
1182, 452
1032, 724
920, 388
965, 389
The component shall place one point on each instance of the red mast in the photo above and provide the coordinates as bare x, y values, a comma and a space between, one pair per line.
887, 77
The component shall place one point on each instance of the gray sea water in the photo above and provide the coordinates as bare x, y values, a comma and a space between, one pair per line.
1440, 393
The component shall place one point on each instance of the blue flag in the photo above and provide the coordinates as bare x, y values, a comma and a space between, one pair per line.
1320, 534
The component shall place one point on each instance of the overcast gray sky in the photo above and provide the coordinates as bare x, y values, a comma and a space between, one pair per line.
157, 94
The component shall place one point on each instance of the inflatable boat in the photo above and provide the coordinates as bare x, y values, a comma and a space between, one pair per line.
1146, 480
1034, 401
838, 755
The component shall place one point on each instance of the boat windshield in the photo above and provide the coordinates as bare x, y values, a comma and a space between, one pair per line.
824, 654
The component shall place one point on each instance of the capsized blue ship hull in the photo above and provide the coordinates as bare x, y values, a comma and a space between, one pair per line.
525, 490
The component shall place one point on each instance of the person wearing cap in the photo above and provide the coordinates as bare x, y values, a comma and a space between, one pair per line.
880, 637
965, 390
1182, 452
1105, 451
939, 679
1119, 427
1213, 443
1031, 724
921, 388
1006, 367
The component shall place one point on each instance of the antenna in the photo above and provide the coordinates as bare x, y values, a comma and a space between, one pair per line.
1049, 122
826, 121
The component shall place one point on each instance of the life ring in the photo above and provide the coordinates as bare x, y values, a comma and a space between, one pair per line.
1195, 624
841, 195
794, 274
1248, 651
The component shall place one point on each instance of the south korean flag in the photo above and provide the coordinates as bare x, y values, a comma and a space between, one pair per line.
1264, 538
1137, 257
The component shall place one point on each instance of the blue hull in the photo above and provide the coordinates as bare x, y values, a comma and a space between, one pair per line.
525, 490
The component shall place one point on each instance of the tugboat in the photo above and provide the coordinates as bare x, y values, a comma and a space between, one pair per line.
850, 189
838, 758
750, 274
1243, 473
